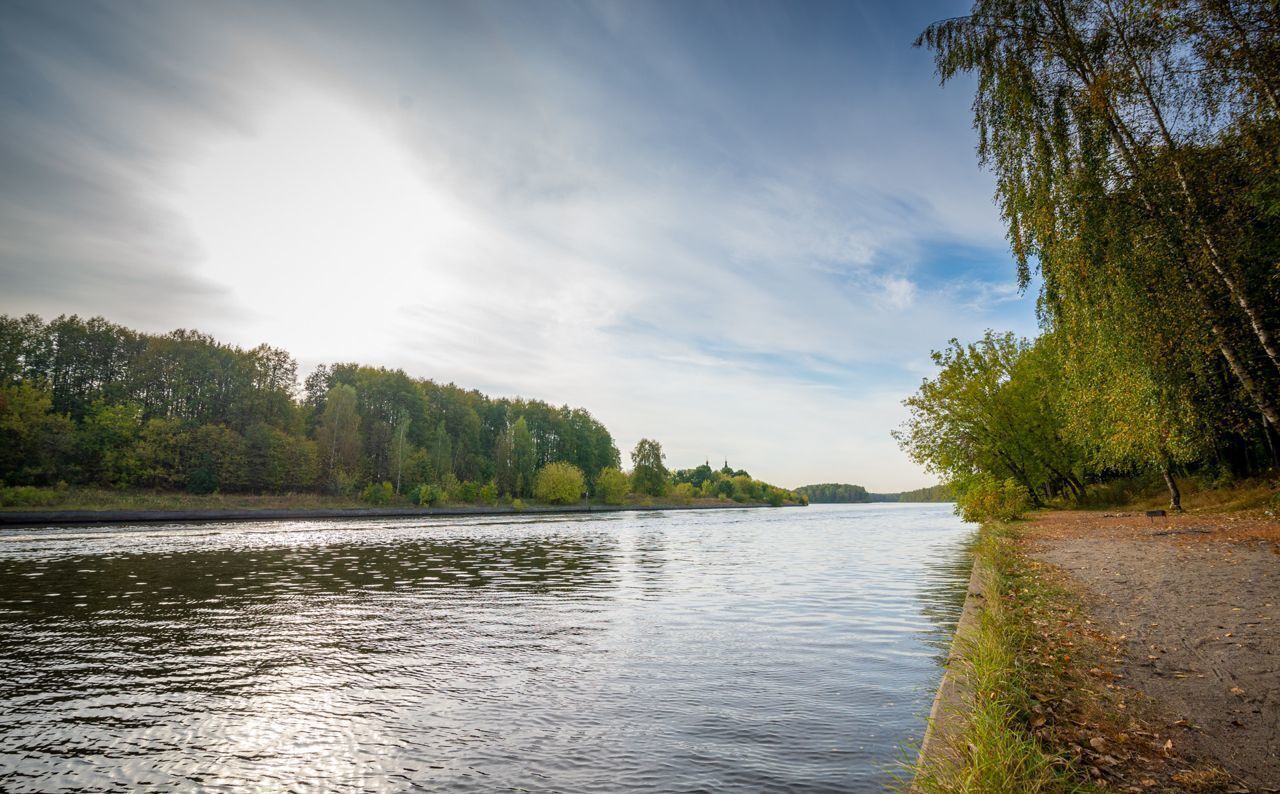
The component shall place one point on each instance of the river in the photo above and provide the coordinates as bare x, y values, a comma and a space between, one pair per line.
791, 649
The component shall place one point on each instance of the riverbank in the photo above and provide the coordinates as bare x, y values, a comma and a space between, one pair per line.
51, 517
73, 518
1116, 652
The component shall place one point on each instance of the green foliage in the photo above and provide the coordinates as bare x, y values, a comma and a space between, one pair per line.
696, 477
441, 451
932, 493
995, 408
279, 462
523, 460
559, 484
683, 492
489, 493
338, 436
983, 498
29, 496
835, 493
612, 486
844, 493
1136, 148
106, 439
469, 492
379, 493
94, 403
517, 505
160, 454
216, 459
36, 444
649, 474
429, 495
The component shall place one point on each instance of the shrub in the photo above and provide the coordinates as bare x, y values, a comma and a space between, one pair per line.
517, 505
489, 492
683, 492
558, 483
984, 498
27, 496
469, 491
377, 494
611, 486
429, 495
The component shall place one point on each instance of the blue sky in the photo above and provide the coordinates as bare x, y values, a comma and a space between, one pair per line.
738, 228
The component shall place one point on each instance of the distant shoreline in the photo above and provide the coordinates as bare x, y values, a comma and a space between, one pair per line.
37, 518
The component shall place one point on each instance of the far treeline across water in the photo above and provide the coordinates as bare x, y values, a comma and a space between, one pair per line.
1136, 154
91, 404
845, 493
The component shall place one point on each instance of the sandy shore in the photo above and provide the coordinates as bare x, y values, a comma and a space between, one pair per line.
1195, 600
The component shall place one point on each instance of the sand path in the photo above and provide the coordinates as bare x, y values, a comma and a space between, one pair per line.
1197, 600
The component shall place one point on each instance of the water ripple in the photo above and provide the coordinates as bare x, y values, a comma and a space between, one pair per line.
779, 650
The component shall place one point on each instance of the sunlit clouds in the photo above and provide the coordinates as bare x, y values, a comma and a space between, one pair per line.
735, 228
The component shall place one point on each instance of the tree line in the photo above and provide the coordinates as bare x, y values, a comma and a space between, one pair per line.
91, 403
729, 483
846, 493
1136, 149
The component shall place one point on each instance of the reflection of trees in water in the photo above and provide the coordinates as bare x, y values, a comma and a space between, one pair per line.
545, 564
649, 560
942, 597
152, 601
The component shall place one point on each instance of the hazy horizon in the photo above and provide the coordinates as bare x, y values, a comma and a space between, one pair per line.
735, 228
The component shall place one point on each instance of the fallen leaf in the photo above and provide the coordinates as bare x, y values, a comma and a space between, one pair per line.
1235, 690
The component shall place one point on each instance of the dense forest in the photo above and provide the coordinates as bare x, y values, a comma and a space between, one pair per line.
835, 493
1136, 149
845, 493
88, 402
930, 493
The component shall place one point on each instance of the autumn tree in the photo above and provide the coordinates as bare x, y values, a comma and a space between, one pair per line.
559, 483
611, 486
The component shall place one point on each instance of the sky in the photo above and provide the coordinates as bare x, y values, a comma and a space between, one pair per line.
738, 228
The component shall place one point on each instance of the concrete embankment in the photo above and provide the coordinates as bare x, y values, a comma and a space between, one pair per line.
42, 518
947, 718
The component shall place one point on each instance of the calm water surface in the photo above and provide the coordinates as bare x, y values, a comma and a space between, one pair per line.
767, 650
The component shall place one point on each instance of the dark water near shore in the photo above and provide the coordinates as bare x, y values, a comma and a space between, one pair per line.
779, 650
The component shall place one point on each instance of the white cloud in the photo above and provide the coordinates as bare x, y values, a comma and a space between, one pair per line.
586, 210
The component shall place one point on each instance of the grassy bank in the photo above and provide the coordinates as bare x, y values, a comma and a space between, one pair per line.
1004, 668
1198, 494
